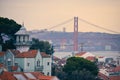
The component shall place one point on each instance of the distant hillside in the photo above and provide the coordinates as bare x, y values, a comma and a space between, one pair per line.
92, 41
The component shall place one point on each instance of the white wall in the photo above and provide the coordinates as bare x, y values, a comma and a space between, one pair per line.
47, 68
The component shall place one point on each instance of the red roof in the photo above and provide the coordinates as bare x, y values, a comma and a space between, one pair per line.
43, 54
2, 65
7, 76
101, 57
45, 77
91, 58
56, 58
116, 69
37, 75
2, 54
102, 76
28, 54
80, 54
114, 77
14, 68
31, 54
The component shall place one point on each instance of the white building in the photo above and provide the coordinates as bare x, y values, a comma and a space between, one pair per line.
34, 60
22, 39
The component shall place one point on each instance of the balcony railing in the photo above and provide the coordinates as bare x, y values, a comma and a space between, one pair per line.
23, 43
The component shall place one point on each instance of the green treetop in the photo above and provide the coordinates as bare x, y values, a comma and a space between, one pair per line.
8, 28
78, 64
43, 46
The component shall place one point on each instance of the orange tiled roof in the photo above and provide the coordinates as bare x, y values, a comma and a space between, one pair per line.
80, 54
14, 68
116, 69
1, 65
56, 58
7, 76
28, 54
37, 75
114, 78
91, 58
101, 57
43, 54
2, 54
45, 77
104, 77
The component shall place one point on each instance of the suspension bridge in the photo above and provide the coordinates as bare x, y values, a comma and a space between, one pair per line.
76, 20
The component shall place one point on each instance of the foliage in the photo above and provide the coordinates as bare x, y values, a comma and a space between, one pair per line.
57, 71
78, 64
76, 69
8, 28
8, 45
43, 46
81, 75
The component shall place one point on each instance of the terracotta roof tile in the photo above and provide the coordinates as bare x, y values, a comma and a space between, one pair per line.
7, 76
116, 69
29, 54
102, 76
14, 68
44, 54
80, 54
1, 65
37, 75
56, 58
114, 77
45, 77
2, 54
101, 57
90, 58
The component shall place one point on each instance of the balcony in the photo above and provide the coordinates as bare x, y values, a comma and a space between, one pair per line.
39, 68
23, 43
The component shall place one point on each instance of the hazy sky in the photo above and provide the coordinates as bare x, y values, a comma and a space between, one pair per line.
41, 14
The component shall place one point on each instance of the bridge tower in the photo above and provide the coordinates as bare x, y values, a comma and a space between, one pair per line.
75, 34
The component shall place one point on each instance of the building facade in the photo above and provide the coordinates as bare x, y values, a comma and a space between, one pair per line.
22, 39
34, 60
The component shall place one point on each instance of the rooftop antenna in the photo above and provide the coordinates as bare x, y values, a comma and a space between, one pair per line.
23, 23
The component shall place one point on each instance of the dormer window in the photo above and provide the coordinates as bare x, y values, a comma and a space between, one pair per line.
38, 63
9, 61
28, 64
16, 64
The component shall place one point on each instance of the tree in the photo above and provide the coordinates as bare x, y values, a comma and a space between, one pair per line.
8, 28
43, 46
78, 68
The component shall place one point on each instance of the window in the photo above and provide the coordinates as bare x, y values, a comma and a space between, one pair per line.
48, 73
9, 62
48, 63
16, 64
28, 64
23, 38
38, 63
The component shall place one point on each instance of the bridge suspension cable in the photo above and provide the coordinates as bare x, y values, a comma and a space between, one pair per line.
85, 21
58, 25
